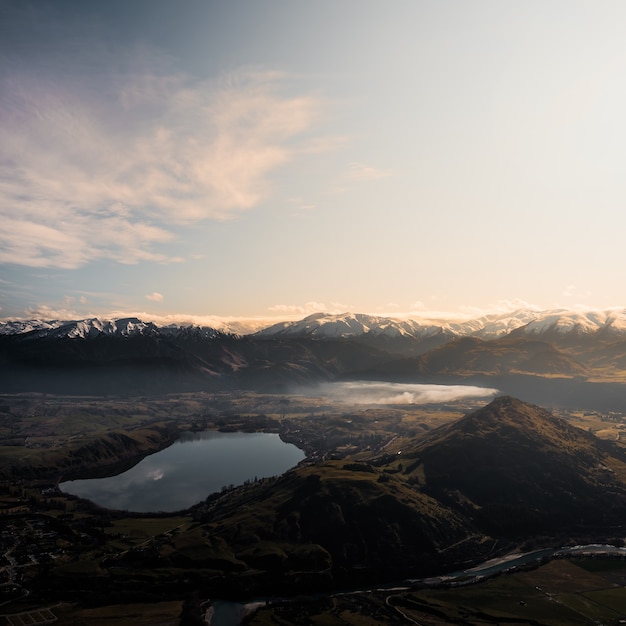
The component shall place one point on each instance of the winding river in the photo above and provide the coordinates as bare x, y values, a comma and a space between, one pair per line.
226, 613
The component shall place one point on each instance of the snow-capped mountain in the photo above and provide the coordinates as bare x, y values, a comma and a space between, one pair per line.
18, 327
91, 328
103, 356
327, 326
95, 327
348, 325
611, 322
523, 321
494, 325
189, 331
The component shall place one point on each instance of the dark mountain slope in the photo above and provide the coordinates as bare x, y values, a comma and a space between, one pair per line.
506, 473
157, 362
524, 470
100, 365
470, 356
360, 521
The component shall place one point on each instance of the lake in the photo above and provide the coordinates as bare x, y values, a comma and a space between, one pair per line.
189, 470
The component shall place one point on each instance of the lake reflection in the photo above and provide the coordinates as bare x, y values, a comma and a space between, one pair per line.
193, 467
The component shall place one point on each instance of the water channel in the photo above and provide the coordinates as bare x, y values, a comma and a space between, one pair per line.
189, 470
227, 613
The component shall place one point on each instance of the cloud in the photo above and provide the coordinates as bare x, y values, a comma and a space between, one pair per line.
418, 310
571, 291
68, 239
397, 393
104, 166
301, 207
306, 309
500, 307
310, 308
360, 171
46, 312
155, 297
63, 311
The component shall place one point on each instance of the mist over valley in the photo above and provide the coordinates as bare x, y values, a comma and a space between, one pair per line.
370, 392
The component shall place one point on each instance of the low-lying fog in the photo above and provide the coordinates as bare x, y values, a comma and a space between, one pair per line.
372, 392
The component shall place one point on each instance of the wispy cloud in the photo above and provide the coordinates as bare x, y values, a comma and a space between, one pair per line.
361, 171
155, 297
500, 307
300, 207
419, 310
398, 393
309, 308
105, 171
63, 309
572, 291
299, 309
47, 312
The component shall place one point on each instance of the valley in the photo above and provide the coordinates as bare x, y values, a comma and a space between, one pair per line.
362, 457
428, 449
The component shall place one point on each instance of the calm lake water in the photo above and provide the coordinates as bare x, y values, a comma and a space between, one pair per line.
193, 467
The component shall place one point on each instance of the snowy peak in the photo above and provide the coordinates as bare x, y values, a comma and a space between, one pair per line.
19, 327
524, 322
96, 327
578, 323
189, 331
327, 326
493, 326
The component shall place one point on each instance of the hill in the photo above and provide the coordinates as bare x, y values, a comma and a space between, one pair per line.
520, 469
503, 474
471, 356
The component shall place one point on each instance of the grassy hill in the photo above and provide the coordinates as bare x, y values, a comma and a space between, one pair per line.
523, 470
505, 476
505, 473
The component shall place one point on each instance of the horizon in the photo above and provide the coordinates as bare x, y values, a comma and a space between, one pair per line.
253, 324
267, 161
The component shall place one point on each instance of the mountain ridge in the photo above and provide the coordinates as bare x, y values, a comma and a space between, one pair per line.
490, 326
508, 472
522, 468
321, 325
139, 356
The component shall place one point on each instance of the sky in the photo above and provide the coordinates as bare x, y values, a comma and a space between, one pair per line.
274, 158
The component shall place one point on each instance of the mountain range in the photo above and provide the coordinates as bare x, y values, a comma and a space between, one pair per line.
324, 325
610, 322
552, 356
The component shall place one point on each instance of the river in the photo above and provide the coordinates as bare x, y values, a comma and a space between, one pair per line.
226, 613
